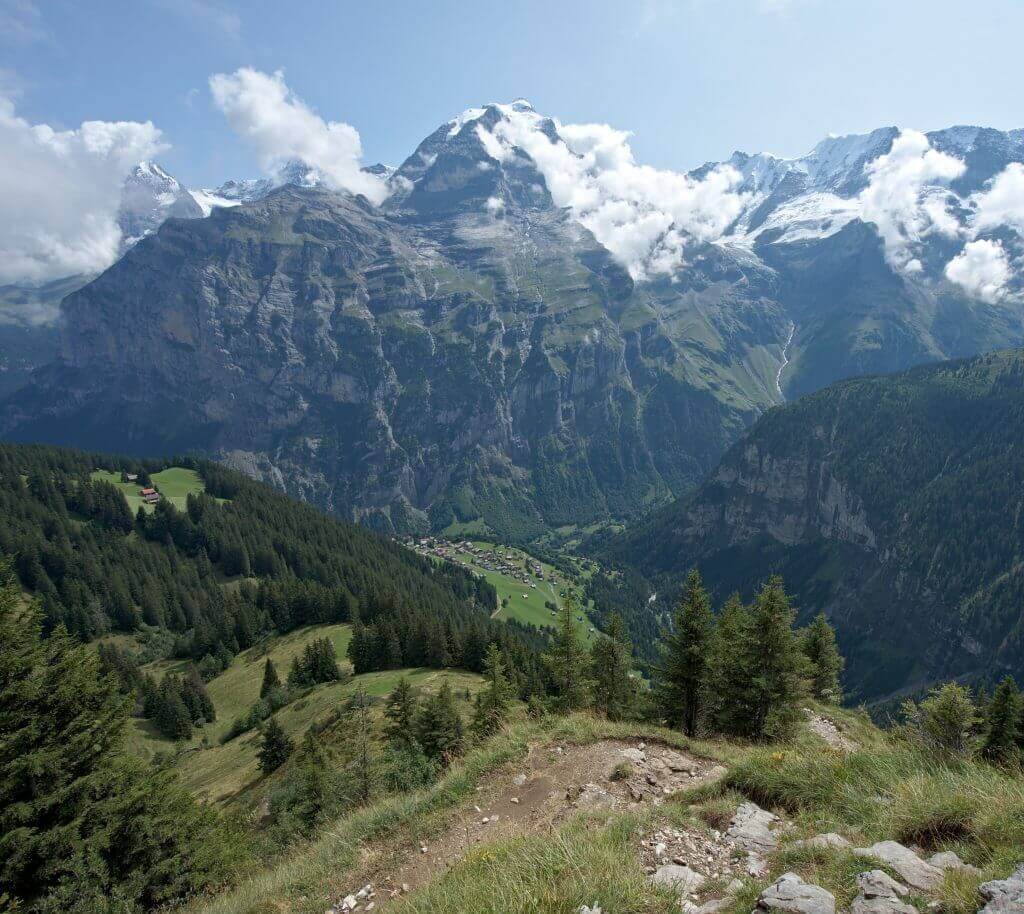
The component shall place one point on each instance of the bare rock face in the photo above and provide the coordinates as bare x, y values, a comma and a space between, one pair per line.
916, 872
827, 840
681, 879
790, 894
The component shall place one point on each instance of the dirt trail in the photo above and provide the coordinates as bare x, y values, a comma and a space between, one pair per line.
547, 786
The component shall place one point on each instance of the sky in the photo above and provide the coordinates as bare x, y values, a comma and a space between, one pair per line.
692, 80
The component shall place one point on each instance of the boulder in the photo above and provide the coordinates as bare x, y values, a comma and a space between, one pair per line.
949, 860
594, 795
750, 828
791, 894
681, 879
914, 871
829, 839
1004, 896
636, 756
879, 884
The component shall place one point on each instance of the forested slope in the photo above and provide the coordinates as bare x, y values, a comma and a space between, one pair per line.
893, 503
242, 561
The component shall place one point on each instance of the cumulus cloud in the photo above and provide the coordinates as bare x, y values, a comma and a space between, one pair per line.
982, 269
261, 108
61, 191
1002, 203
645, 216
901, 198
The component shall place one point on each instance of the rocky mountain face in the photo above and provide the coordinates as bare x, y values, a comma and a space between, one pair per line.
891, 503
470, 350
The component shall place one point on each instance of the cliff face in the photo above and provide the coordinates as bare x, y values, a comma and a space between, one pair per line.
891, 503
388, 365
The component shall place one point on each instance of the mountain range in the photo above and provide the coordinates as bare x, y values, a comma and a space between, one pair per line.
531, 331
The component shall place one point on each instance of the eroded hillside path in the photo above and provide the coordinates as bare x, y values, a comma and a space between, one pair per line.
547, 786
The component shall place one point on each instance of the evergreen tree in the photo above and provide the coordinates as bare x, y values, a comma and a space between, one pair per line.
610, 661
566, 660
358, 746
400, 713
825, 662
275, 747
728, 675
311, 794
439, 728
492, 703
776, 664
172, 717
1002, 722
684, 655
945, 721
271, 680
81, 822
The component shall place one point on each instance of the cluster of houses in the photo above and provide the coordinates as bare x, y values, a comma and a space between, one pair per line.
149, 495
498, 560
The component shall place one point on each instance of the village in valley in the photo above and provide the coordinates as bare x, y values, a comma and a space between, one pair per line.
529, 590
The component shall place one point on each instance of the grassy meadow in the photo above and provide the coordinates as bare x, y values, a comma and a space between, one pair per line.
174, 483
221, 771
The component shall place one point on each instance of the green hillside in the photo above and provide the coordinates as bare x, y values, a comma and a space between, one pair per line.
175, 484
892, 503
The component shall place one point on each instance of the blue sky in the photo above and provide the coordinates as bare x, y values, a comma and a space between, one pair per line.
692, 79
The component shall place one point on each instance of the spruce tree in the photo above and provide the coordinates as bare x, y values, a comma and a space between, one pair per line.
682, 671
566, 661
728, 675
400, 713
945, 721
173, 718
825, 661
776, 664
439, 728
271, 680
492, 703
1002, 722
81, 821
358, 746
610, 661
275, 747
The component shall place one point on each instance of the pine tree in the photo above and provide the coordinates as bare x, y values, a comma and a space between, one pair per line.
81, 822
492, 703
728, 676
271, 680
826, 663
358, 746
684, 654
172, 717
610, 661
312, 793
945, 721
275, 747
400, 712
566, 661
439, 728
776, 664
1002, 722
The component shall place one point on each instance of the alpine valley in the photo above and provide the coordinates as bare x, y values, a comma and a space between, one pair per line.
478, 351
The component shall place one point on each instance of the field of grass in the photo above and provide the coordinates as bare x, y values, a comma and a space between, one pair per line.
218, 771
174, 483
519, 601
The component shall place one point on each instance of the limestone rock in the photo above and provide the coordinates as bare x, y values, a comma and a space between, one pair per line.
950, 860
879, 884
789, 893
751, 829
917, 873
682, 879
1004, 896
829, 839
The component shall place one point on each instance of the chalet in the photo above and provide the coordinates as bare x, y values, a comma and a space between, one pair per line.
149, 496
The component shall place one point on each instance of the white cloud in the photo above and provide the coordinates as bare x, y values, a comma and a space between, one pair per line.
982, 269
1003, 202
896, 199
61, 191
261, 108
644, 216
